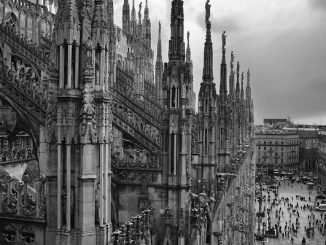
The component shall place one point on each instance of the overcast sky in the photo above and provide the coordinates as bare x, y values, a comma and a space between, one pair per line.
282, 42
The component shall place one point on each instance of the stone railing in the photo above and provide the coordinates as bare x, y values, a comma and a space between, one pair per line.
30, 7
16, 154
24, 90
20, 199
138, 230
21, 45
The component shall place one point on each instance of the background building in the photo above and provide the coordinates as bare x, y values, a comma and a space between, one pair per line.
321, 163
308, 149
278, 149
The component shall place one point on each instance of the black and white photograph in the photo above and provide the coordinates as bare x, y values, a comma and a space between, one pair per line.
162, 122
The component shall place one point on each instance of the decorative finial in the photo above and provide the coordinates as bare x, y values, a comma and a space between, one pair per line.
238, 67
159, 27
248, 75
242, 77
224, 40
208, 11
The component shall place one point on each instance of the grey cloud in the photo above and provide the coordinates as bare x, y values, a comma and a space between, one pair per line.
226, 23
318, 4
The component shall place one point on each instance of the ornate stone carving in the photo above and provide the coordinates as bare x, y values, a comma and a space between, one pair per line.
27, 234
88, 111
88, 116
137, 177
9, 233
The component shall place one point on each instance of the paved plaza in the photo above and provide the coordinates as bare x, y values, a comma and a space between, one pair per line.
288, 190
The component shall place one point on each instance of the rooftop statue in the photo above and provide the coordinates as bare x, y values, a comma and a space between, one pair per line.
139, 13
232, 58
248, 75
208, 11
224, 40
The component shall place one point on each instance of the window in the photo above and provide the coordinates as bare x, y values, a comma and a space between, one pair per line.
206, 142
173, 96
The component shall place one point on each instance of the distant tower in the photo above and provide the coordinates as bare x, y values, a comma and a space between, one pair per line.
126, 17
177, 119
223, 127
159, 68
206, 168
176, 43
249, 110
147, 27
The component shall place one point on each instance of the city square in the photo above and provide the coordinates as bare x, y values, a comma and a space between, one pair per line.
299, 195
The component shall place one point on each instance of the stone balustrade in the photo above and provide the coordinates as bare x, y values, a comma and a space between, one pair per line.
16, 154
29, 45
138, 230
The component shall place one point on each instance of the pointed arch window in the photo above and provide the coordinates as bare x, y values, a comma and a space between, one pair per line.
173, 101
97, 64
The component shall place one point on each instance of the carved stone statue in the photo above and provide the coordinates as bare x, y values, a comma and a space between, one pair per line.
248, 75
208, 11
224, 39
89, 47
139, 13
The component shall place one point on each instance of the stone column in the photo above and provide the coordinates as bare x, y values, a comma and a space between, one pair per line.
76, 67
59, 191
19, 17
102, 183
26, 25
68, 186
87, 177
106, 70
102, 69
62, 67
69, 66
34, 29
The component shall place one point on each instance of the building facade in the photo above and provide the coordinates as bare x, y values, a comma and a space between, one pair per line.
99, 146
308, 149
321, 162
278, 148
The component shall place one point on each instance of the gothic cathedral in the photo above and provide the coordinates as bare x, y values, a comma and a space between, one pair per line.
99, 146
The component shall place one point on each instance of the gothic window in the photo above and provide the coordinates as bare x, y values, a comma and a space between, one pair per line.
173, 102
206, 106
206, 142
73, 64
97, 64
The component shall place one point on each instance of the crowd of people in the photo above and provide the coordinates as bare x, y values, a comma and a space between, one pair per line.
292, 217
